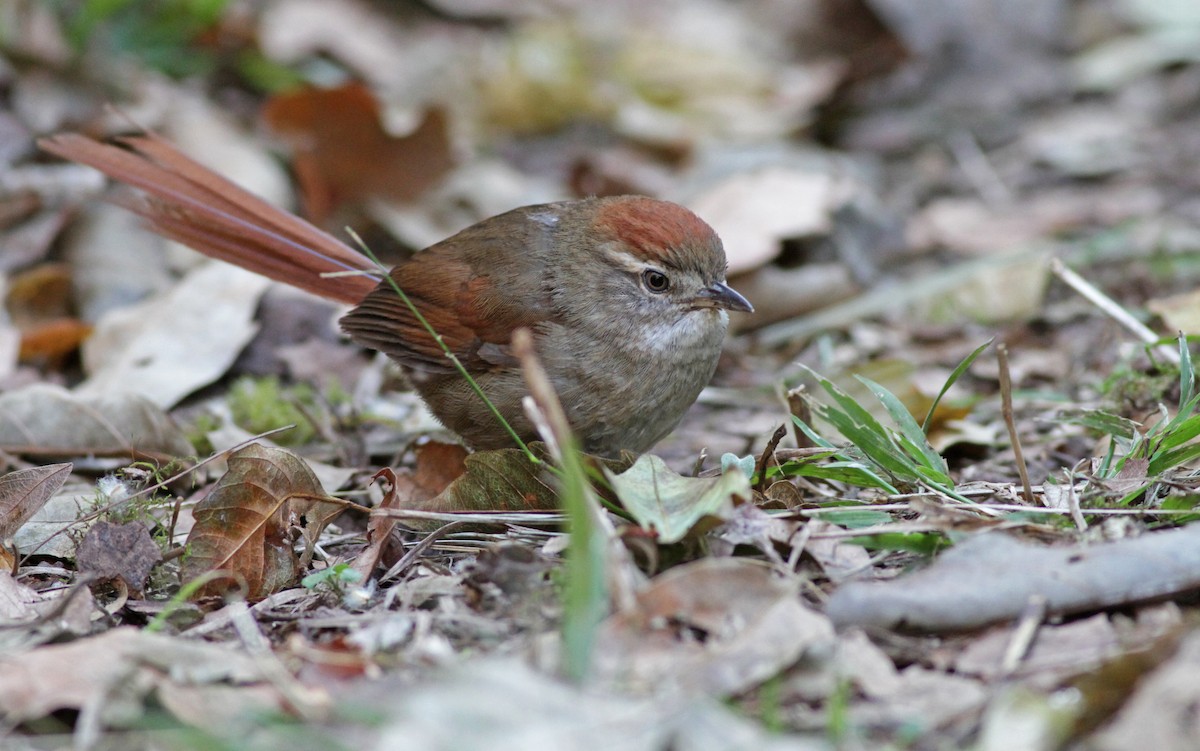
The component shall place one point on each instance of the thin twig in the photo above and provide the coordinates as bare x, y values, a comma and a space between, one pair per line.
1032, 617
1112, 309
978, 169
1006, 409
760, 468
1073, 503
419, 549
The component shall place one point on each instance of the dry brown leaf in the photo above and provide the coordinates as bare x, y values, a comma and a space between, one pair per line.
51, 341
718, 625
243, 527
502, 480
343, 155
25, 491
39, 294
379, 528
119, 551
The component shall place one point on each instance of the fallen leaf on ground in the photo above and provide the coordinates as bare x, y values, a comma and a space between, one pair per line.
119, 551
438, 465
169, 346
670, 504
718, 626
48, 420
84, 673
504, 705
1161, 715
501, 480
24, 491
242, 527
343, 155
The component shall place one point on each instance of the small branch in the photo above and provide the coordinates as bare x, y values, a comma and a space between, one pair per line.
1112, 309
760, 469
1006, 409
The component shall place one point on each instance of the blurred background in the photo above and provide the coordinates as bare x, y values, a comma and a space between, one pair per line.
890, 177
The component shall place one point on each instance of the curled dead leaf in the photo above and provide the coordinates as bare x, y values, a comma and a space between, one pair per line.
243, 529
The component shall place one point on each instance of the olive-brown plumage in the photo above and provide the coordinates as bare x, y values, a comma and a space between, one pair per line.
625, 296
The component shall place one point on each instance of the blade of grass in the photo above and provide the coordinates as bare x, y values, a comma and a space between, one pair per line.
912, 436
954, 376
445, 349
1187, 374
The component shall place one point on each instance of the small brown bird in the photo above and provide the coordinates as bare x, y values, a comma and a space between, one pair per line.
625, 296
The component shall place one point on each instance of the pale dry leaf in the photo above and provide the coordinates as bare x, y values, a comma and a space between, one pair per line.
1179, 312
16, 600
115, 260
503, 705
83, 672
207, 131
921, 698
48, 420
173, 344
669, 504
1060, 652
718, 626
753, 212
54, 531
1161, 714
406, 62
23, 492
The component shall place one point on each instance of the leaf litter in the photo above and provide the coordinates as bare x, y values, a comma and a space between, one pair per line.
891, 213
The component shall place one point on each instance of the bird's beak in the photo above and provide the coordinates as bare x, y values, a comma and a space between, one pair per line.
721, 295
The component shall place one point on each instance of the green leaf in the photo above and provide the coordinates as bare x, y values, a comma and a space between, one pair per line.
1187, 374
852, 473
671, 504
954, 376
924, 543
1100, 421
904, 420
853, 518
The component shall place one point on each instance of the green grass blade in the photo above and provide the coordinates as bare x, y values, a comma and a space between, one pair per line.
1187, 374
851, 473
954, 376
912, 436
812, 434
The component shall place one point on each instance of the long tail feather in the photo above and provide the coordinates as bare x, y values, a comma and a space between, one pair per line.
191, 204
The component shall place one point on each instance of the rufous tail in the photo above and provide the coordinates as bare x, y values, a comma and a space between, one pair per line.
191, 204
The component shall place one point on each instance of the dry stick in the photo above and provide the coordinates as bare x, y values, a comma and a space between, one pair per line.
1073, 503
760, 469
417, 550
800, 410
542, 406
1006, 409
308, 703
1030, 622
1112, 309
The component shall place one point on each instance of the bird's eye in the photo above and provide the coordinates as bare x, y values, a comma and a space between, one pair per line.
655, 281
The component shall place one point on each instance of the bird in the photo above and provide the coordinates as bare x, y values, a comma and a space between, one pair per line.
625, 296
